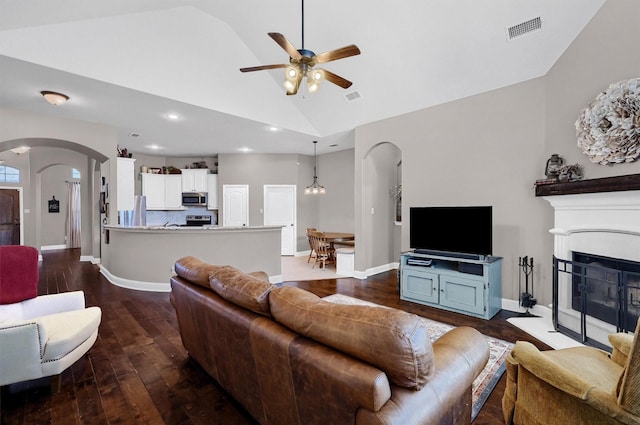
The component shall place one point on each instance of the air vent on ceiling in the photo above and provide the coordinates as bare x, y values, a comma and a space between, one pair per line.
353, 96
523, 28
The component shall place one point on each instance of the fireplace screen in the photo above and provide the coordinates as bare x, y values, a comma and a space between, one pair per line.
601, 288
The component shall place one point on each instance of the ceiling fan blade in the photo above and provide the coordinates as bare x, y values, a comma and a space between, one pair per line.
343, 52
284, 43
336, 79
261, 67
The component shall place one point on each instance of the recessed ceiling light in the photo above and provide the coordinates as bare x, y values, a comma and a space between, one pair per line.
134, 134
172, 116
154, 147
273, 128
245, 149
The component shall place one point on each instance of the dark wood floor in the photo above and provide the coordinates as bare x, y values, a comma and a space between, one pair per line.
139, 373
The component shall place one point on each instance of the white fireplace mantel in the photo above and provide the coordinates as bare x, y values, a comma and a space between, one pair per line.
606, 224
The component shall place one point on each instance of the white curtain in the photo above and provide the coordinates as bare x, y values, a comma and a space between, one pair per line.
73, 215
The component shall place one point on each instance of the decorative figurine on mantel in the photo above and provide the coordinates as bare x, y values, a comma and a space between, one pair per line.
570, 173
552, 169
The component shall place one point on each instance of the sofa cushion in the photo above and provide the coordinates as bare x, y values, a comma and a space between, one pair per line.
395, 341
242, 289
18, 273
195, 270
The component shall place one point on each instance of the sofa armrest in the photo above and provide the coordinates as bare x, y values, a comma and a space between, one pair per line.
51, 304
459, 356
529, 357
21, 348
621, 343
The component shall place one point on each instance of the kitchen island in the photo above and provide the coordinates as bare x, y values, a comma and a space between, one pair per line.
142, 257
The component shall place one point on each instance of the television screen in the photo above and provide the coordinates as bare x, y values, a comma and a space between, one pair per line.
466, 230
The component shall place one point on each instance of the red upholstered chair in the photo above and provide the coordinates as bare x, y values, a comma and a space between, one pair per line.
39, 335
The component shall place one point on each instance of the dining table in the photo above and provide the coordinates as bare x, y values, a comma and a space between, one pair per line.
340, 238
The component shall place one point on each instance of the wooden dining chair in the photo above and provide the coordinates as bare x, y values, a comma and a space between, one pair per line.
325, 253
312, 252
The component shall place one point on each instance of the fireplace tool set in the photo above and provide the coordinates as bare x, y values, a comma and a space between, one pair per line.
527, 301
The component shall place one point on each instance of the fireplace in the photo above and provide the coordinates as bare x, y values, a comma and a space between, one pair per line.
596, 277
602, 288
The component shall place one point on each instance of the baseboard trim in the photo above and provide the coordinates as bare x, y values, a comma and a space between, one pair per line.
86, 259
135, 284
275, 279
52, 247
375, 270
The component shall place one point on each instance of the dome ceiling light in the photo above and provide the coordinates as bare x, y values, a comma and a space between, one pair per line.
54, 98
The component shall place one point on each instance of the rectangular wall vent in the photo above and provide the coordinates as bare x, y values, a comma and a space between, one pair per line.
523, 28
353, 96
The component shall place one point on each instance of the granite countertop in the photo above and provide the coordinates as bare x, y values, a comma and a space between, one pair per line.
187, 228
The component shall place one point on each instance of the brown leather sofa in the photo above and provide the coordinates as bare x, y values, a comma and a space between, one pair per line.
289, 357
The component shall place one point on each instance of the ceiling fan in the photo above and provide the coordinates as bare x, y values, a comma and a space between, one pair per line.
302, 63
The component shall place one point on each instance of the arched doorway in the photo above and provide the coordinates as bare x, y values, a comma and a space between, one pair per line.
44, 154
381, 177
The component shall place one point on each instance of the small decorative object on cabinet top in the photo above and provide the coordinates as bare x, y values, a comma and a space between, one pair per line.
608, 129
124, 153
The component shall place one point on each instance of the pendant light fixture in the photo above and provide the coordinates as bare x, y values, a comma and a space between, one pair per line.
315, 188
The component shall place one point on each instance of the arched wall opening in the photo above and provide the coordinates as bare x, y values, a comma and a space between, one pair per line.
44, 155
378, 245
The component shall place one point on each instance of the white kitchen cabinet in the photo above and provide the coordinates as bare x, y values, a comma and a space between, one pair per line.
194, 179
212, 197
173, 192
163, 191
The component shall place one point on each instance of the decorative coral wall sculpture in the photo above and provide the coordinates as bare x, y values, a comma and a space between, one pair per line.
608, 129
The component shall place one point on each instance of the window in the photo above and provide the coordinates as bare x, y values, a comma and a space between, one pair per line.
9, 174
75, 174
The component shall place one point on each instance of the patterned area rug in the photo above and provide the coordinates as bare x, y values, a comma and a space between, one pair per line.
490, 375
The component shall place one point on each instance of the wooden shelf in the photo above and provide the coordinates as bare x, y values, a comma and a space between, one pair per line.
605, 184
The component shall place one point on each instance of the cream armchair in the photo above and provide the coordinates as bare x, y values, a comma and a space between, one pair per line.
39, 336
579, 385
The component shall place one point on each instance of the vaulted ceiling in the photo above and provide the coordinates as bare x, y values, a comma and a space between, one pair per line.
129, 63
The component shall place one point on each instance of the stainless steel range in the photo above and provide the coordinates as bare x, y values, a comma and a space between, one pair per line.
198, 220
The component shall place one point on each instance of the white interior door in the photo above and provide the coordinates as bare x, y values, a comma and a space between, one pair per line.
235, 205
280, 210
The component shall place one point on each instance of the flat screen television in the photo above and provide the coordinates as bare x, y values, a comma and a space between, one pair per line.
451, 230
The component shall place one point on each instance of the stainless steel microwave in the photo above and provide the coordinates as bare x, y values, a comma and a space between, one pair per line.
194, 199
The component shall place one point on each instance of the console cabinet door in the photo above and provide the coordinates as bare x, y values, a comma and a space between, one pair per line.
463, 294
419, 285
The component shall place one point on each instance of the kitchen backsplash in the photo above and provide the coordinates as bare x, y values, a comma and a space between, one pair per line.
160, 218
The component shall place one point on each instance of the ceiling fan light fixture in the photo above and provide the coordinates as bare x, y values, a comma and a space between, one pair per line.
312, 85
291, 73
316, 75
54, 98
